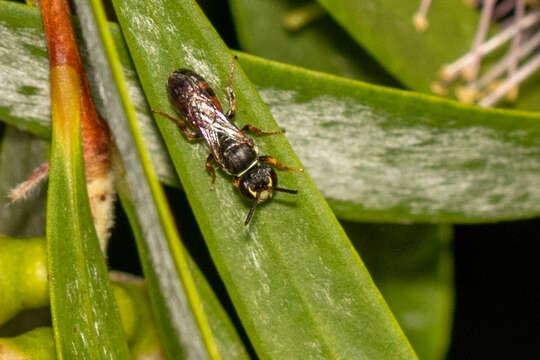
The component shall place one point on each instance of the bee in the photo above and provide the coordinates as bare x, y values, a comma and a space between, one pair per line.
230, 147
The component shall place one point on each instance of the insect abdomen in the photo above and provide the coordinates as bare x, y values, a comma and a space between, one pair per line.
184, 85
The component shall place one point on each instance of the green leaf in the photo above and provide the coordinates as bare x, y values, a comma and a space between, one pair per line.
184, 325
76, 266
37, 344
24, 92
421, 301
293, 267
26, 82
86, 322
229, 344
412, 266
402, 156
24, 283
131, 295
20, 154
321, 45
408, 156
385, 29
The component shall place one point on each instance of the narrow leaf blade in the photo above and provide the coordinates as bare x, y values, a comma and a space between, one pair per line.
192, 335
320, 45
415, 157
78, 274
293, 268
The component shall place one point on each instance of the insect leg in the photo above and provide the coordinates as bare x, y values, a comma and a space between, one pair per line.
230, 92
257, 131
211, 170
181, 124
270, 160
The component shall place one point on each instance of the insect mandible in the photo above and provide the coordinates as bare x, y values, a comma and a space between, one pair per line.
230, 147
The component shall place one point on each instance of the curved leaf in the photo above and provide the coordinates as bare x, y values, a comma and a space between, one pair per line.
37, 344
414, 157
24, 280
320, 45
229, 344
466, 148
422, 301
184, 325
293, 268
78, 273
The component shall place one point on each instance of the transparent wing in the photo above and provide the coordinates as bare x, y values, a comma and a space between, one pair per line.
214, 126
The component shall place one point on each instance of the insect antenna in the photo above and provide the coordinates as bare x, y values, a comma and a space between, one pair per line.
252, 210
286, 190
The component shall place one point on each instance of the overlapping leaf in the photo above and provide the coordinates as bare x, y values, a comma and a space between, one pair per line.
77, 269
183, 322
422, 300
450, 151
319, 45
413, 157
293, 268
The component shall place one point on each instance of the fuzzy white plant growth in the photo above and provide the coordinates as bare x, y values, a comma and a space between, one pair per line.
26, 187
101, 195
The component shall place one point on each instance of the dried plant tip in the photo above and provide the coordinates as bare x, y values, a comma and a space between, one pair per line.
446, 73
23, 189
469, 73
101, 195
521, 74
296, 19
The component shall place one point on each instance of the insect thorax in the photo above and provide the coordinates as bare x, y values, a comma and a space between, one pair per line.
238, 158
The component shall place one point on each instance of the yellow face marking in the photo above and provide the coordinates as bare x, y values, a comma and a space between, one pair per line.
253, 193
265, 194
